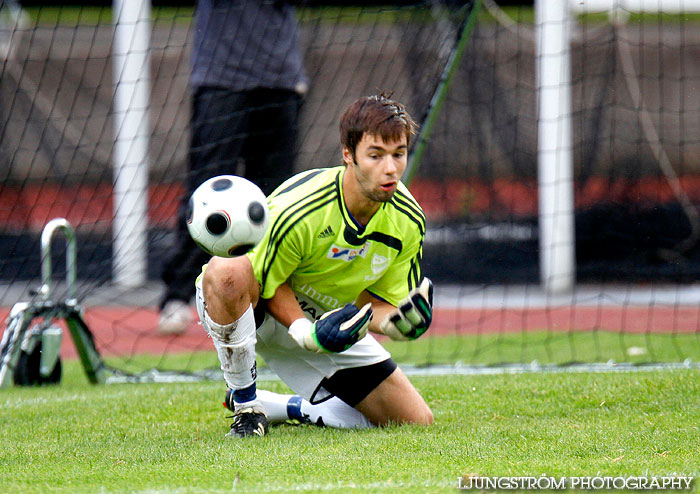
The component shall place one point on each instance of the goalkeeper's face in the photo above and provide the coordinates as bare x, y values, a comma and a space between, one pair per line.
377, 166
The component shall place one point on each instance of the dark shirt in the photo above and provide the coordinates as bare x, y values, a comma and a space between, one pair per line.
246, 44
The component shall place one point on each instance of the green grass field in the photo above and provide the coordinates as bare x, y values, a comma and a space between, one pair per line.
164, 438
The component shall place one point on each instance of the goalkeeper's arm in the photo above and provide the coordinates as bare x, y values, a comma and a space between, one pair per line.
335, 331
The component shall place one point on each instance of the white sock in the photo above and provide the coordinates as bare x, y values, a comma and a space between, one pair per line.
235, 345
275, 405
332, 413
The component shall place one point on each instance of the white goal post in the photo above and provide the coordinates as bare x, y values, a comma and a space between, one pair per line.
636, 6
554, 146
131, 53
553, 23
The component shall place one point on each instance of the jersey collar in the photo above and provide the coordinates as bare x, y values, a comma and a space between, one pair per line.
354, 233
350, 222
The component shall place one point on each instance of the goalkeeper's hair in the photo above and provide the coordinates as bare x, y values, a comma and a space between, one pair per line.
377, 115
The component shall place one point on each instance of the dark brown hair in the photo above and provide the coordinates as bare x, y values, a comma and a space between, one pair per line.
376, 115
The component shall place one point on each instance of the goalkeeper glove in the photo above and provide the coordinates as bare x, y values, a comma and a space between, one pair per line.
334, 331
413, 316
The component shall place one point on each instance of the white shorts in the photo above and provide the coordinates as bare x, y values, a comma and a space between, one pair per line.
301, 369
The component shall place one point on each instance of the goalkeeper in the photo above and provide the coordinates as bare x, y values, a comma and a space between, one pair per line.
341, 257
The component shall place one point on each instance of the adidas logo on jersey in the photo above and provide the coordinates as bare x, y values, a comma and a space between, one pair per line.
328, 232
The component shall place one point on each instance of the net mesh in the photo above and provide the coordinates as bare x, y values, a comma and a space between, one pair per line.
635, 146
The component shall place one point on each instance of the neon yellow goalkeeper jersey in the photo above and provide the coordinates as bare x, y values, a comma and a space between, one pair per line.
327, 258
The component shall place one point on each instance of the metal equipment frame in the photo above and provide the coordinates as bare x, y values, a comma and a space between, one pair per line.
20, 329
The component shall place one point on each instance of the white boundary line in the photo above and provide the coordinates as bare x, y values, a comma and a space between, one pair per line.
264, 374
537, 368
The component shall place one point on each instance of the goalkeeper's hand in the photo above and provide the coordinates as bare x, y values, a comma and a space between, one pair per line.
335, 331
413, 316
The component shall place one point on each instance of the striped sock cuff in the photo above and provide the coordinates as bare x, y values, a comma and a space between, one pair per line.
244, 395
294, 408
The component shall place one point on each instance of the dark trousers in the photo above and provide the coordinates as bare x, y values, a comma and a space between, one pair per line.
257, 127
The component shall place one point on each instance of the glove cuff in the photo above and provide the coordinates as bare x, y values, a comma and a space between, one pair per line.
300, 331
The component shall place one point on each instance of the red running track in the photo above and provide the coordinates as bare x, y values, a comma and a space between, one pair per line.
125, 331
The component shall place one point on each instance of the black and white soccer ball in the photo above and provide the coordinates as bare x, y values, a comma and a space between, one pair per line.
227, 216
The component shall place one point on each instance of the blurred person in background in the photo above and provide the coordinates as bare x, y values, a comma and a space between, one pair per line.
247, 86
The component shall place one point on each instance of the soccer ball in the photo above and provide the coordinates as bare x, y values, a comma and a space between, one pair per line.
227, 216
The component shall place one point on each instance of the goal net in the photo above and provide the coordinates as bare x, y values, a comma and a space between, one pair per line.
634, 116
635, 148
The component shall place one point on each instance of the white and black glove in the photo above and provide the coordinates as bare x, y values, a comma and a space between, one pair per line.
413, 316
335, 331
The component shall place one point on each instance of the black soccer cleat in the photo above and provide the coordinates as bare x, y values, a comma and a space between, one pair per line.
248, 422
228, 400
